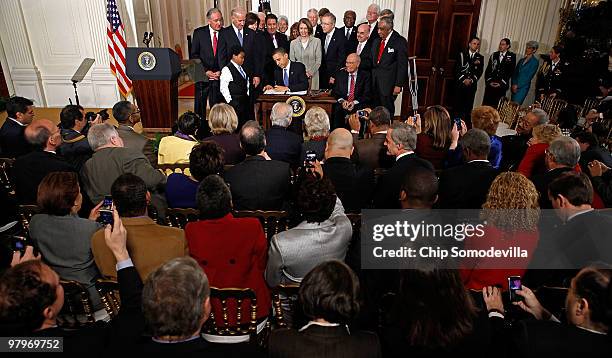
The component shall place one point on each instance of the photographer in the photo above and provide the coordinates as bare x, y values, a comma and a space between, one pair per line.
74, 126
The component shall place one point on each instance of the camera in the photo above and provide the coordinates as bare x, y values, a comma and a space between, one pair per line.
514, 284
311, 157
363, 113
106, 210
457, 122
91, 116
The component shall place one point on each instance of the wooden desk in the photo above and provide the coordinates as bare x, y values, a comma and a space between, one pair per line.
264, 103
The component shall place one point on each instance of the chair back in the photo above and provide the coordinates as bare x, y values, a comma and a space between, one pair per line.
557, 105
6, 165
546, 103
78, 310
168, 169
272, 222
25, 213
508, 111
179, 217
108, 289
223, 296
284, 298
589, 104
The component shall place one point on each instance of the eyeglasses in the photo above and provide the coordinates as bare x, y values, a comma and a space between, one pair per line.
137, 111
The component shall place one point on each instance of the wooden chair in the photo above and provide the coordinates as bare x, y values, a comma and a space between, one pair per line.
78, 310
546, 103
108, 288
6, 165
223, 296
168, 169
284, 298
25, 213
557, 105
273, 222
178, 217
589, 104
508, 112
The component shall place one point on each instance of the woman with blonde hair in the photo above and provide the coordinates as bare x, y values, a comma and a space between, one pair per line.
307, 49
533, 161
511, 213
435, 138
487, 118
316, 122
223, 122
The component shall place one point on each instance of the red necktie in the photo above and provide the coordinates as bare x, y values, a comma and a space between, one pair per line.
381, 49
351, 96
215, 43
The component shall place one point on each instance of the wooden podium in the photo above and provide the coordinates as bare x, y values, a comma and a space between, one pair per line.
154, 73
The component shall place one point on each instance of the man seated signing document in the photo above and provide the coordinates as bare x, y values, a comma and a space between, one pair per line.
289, 76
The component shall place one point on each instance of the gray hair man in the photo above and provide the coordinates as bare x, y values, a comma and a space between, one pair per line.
282, 144
562, 156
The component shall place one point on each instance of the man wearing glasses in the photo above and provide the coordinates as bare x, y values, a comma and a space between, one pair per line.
128, 115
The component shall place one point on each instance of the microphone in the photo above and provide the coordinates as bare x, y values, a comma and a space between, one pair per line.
144, 39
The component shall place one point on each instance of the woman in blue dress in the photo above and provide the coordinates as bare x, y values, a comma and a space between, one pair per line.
524, 72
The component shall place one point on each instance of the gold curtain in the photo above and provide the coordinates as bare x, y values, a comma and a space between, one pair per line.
226, 7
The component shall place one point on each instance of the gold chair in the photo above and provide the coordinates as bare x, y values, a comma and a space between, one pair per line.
78, 310
284, 298
108, 288
557, 105
223, 296
6, 164
25, 213
589, 104
272, 222
178, 217
168, 169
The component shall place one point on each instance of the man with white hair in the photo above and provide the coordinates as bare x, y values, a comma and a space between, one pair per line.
283, 24
313, 17
110, 159
282, 144
333, 50
372, 15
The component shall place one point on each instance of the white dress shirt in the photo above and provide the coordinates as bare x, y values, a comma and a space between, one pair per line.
226, 78
212, 36
328, 38
236, 31
288, 72
16, 121
360, 47
403, 155
348, 81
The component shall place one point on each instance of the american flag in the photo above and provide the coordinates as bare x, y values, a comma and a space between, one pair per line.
116, 47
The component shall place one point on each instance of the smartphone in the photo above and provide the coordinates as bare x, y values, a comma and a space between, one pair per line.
514, 284
311, 157
106, 210
363, 114
457, 122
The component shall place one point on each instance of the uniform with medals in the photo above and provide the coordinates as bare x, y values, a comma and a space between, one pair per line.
469, 66
552, 79
499, 70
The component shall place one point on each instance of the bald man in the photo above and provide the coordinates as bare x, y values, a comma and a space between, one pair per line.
30, 169
354, 184
351, 90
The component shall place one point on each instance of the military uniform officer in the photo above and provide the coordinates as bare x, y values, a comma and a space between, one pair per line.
497, 75
468, 69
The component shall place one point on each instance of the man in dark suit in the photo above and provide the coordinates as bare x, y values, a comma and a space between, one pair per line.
288, 75
258, 183
282, 144
468, 69
127, 116
350, 31
12, 141
400, 142
333, 50
389, 64
273, 40
204, 46
372, 15
497, 75
552, 76
363, 45
354, 184
30, 169
313, 17
75, 147
351, 90
466, 186
372, 151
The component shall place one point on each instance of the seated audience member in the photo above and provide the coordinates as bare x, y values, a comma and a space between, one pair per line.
586, 328
511, 212
232, 251
20, 113
372, 151
63, 238
316, 122
466, 186
351, 89
205, 159
75, 147
353, 184
282, 144
330, 297
447, 322
149, 244
515, 146
111, 159
127, 116
324, 234
400, 142
419, 189
289, 76
591, 150
30, 169
223, 121
258, 183
176, 148
175, 305
561, 156
533, 161
601, 177
235, 86
31, 298
434, 140
487, 118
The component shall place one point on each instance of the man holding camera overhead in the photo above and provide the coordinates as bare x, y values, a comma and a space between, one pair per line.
351, 91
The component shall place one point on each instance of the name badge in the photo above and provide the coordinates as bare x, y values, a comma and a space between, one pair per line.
390, 50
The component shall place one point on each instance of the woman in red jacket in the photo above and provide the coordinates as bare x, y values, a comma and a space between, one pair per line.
533, 161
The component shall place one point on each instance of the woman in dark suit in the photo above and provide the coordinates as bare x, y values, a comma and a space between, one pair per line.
223, 122
329, 298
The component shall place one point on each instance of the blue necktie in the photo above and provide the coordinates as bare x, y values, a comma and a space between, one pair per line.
240, 37
286, 77
242, 72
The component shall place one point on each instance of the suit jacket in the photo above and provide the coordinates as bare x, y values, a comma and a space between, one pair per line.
468, 68
254, 53
392, 70
373, 34
549, 81
150, 246
320, 341
202, 49
236, 260
259, 184
363, 86
373, 153
131, 139
75, 148
318, 31
29, 170
466, 186
107, 164
365, 55
283, 145
297, 77
350, 45
12, 141
333, 58
199, 347
310, 56
270, 65
233, 153
354, 184
388, 189
500, 71
541, 183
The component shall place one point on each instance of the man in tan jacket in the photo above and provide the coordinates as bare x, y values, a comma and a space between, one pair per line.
150, 245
